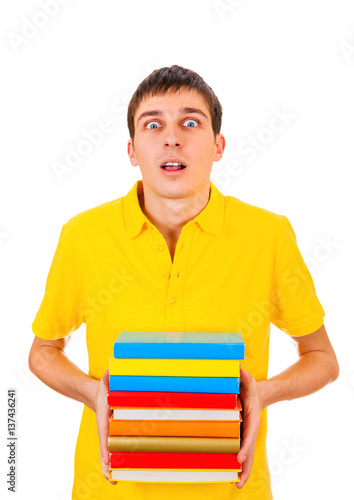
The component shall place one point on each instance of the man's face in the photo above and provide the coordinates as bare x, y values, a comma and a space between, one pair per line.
175, 127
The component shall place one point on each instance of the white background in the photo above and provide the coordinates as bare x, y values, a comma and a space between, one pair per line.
81, 67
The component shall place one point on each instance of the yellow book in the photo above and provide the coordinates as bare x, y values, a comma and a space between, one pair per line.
175, 367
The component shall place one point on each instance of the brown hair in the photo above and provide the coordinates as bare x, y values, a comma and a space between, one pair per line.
175, 77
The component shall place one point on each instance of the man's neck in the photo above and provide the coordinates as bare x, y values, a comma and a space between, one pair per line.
169, 215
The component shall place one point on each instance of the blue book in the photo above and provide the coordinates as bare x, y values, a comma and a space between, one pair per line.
223, 385
179, 345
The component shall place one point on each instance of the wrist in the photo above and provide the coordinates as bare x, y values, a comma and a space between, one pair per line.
272, 391
92, 394
263, 394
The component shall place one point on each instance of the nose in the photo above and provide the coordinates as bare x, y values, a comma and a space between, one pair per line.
172, 137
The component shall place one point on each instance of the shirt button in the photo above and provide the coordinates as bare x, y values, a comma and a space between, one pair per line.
173, 301
159, 247
167, 276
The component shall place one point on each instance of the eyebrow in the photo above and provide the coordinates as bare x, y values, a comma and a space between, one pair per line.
158, 112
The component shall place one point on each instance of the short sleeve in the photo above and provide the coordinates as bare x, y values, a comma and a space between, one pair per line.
59, 313
295, 308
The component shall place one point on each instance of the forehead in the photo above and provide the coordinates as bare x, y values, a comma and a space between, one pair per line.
172, 102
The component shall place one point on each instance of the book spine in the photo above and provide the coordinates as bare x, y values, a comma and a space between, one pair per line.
172, 399
174, 444
174, 428
178, 350
174, 414
132, 459
174, 367
224, 385
175, 475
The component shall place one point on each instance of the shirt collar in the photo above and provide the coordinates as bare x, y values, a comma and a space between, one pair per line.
210, 219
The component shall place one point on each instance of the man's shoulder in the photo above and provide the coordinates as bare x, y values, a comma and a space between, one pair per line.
96, 218
241, 212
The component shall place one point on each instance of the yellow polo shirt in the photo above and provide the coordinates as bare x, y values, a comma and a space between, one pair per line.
236, 268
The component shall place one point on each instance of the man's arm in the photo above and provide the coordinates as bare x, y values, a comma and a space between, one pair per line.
316, 367
48, 361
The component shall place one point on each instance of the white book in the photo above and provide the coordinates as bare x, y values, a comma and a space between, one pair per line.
175, 476
174, 414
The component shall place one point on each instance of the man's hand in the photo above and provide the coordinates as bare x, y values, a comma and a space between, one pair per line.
103, 414
251, 409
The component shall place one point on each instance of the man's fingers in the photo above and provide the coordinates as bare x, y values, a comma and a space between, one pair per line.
102, 417
251, 422
106, 472
246, 377
105, 378
103, 413
246, 470
251, 415
105, 469
249, 436
102, 426
246, 447
247, 444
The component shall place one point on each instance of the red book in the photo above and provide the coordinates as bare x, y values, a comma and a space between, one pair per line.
145, 399
167, 460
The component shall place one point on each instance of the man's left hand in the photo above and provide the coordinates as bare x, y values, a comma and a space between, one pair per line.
103, 413
251, 410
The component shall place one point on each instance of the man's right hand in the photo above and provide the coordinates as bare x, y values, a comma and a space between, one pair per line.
103, 413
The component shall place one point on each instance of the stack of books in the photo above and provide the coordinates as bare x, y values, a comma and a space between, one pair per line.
176, 408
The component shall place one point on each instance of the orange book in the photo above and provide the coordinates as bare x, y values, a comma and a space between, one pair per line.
195, 428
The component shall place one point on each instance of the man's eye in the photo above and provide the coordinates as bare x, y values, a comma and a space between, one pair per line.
191, 123
152, 125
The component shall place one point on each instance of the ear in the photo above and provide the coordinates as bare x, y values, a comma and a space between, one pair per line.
131, 153
219, 147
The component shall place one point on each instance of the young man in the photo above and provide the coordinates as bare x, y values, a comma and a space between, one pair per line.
175, 254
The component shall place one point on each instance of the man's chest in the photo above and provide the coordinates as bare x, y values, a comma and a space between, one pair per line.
209, 282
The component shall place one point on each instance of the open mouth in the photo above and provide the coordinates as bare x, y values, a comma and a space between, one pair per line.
173, 166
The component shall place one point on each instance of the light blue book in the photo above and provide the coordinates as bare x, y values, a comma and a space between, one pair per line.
223, 385
179, 345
